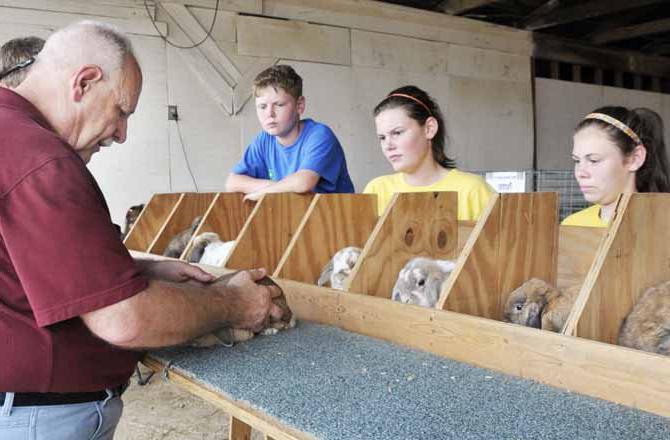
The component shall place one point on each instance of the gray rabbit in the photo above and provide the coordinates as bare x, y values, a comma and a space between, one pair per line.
647, 327
338, 269
178, 243
420, 281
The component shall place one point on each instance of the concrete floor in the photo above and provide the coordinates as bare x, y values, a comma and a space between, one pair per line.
162, 411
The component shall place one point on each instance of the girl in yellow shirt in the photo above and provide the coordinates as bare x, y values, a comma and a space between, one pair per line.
410, 128
617, 150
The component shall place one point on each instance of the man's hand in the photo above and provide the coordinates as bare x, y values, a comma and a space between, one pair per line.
254, 196
251, 304
175, 271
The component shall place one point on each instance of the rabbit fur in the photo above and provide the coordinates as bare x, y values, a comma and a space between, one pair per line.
647, 326
538, 304
229, 336
420, 281
178, 243
338, 269
209, 249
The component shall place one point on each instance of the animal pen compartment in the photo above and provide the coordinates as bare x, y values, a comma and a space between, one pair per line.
516, 238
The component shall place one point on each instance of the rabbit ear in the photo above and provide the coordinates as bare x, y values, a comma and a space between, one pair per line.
197, 251
446, 265
434, 287
324, 278
531, 315
664, 344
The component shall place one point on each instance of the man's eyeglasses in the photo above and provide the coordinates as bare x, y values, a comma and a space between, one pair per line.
14, 68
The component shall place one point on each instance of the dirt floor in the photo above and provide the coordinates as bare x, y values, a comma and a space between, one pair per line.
162, 411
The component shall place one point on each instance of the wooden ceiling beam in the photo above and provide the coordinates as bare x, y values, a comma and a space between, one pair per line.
457, 7
594, 8
630, 32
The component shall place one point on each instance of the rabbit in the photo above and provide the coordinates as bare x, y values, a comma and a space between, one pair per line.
338, 269
230, 336
647, 327
420, 281
131, 217
209, 249
178, 243
538, 304
556, 312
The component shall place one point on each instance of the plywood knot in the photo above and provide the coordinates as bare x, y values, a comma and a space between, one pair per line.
442, 239
409, 236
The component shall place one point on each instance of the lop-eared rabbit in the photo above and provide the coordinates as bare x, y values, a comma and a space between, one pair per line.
647, 327
420, 281
178, 243
538, 304
231, 336
338, 269
209, 249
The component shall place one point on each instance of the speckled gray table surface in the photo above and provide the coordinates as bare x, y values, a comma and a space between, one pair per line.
334, 384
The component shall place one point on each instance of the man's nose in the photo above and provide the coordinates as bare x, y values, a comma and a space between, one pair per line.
121, 132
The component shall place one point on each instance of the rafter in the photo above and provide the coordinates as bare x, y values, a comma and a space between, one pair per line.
456, 7
629, 32
594, 8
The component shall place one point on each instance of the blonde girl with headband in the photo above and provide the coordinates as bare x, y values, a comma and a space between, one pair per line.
617, 150
411, 132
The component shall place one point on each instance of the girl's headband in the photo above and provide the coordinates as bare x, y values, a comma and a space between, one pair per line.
418, 101
618, 124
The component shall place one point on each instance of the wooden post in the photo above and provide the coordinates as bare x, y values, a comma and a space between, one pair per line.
413, 225
332, 222
515, 239
149, 223
225, 216
634, 255
239, 430
268, 231
185, 211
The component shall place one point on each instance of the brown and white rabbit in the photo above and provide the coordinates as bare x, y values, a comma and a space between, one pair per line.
338, 269
230, 336
178, 243
538, 304
420, 281
647, 327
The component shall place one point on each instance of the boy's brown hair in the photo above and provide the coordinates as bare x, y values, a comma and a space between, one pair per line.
280, 76
14, 52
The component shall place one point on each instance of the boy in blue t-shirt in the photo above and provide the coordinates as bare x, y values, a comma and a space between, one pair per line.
290, 154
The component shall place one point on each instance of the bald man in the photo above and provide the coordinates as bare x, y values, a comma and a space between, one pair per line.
75, 308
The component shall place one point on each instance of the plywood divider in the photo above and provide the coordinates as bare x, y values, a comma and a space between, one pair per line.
332, 222
188, 208
515, 239
150, 221
226, 216
268, 231
414, 224
634, 255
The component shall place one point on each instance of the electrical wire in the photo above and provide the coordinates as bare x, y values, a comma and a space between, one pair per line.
164, 38
188, 163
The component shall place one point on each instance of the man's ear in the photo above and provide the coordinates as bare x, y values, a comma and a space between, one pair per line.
300, 105
636, 158
431, 126
84, 78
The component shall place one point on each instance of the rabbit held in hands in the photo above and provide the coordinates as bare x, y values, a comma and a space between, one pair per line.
538, 304
230, 336
178, 243
338, 269
647, 327
420, 281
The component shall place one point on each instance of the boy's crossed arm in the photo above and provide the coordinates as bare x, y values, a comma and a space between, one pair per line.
301, 181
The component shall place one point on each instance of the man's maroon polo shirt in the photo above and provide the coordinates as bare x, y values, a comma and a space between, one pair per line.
60, 257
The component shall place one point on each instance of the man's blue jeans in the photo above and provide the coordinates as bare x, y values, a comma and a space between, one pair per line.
79, 421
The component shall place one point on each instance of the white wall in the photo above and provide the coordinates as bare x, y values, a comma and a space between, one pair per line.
561, 105
479, 73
